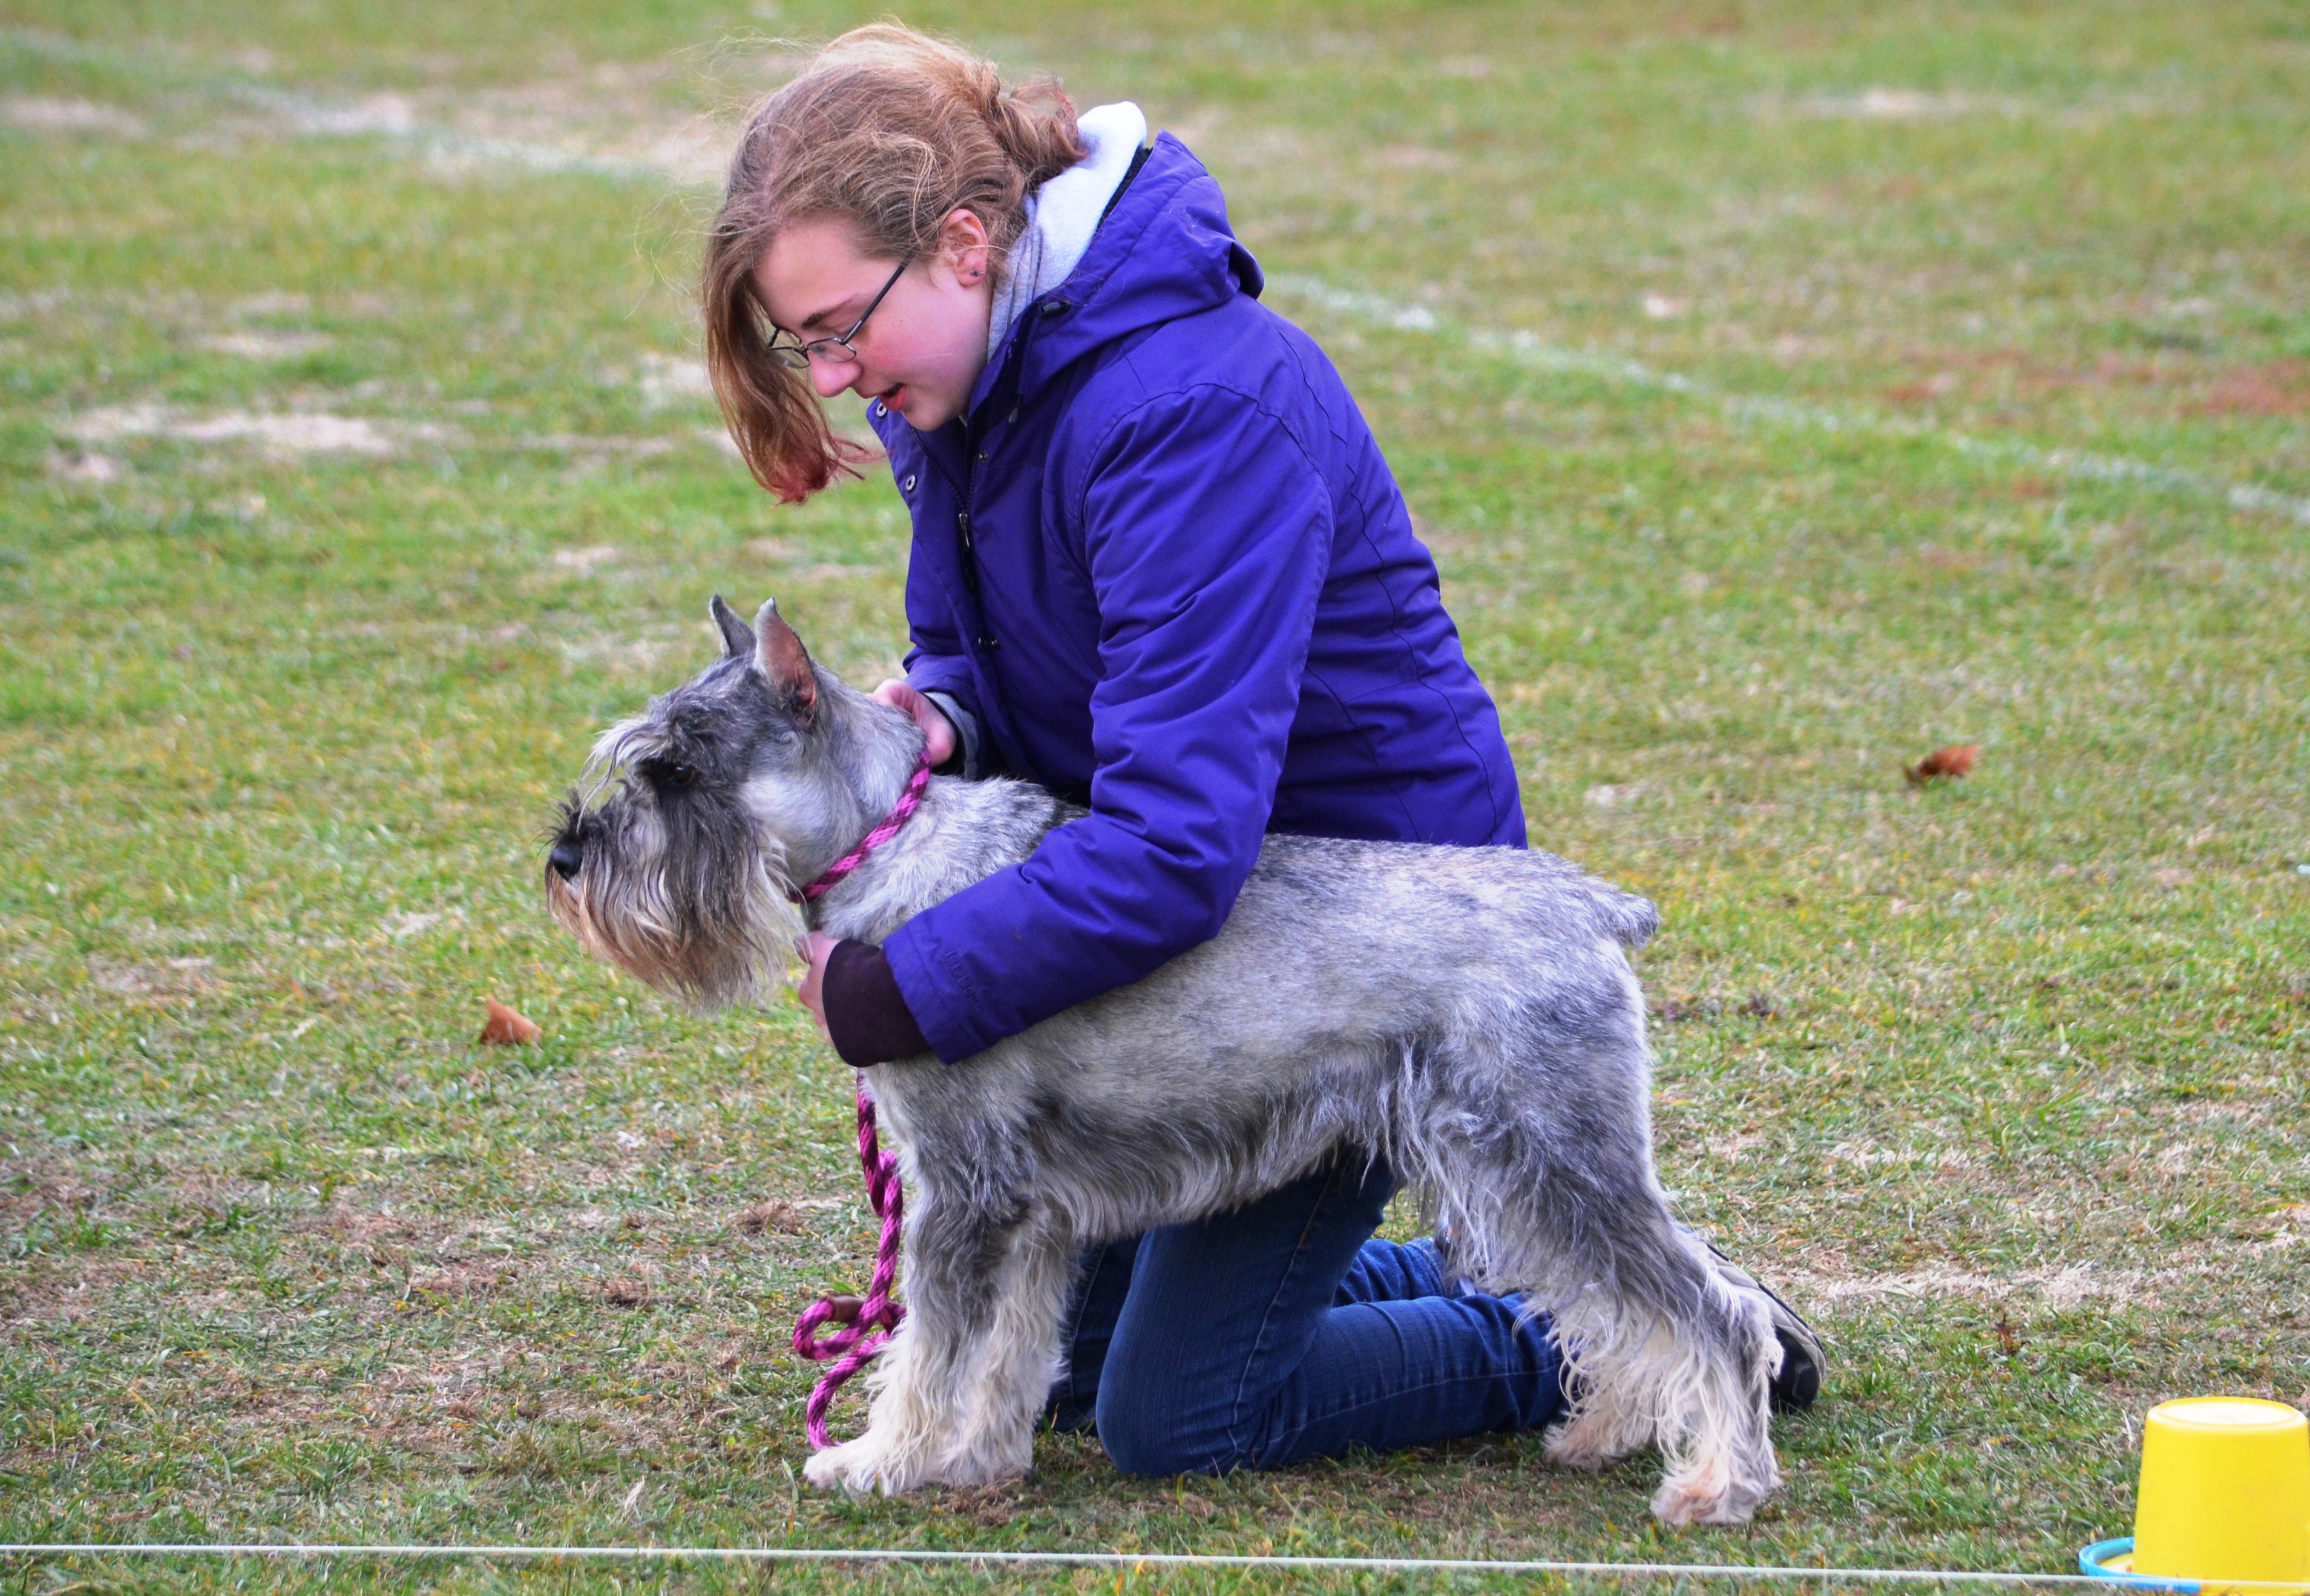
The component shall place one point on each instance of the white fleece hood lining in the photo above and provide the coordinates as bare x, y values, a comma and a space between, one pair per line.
1063, 214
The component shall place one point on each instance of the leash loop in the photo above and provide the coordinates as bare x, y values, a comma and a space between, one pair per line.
866, 1321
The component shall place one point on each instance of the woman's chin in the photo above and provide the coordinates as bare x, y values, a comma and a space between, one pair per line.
922, 412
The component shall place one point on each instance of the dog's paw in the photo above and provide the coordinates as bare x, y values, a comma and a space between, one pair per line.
1696, 1492
1711, 1492
985, 1466
827, 1469
861, 1468
1587, 1458
1681, 1508
1597, 1434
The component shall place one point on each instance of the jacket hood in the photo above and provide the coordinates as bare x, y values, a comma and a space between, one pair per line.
1164, 252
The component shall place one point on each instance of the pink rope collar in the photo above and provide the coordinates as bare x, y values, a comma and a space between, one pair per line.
867, 1322
900, 813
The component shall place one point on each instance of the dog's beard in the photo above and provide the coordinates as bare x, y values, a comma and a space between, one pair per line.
710, 927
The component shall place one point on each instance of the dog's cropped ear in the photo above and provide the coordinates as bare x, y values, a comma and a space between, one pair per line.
779, 656
736, 639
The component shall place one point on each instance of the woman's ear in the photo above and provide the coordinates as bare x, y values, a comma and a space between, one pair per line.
965, 248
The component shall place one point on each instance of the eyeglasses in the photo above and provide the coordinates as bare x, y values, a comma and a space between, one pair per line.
797, 356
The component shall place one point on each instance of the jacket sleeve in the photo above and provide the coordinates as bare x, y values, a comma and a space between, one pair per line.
1207, 532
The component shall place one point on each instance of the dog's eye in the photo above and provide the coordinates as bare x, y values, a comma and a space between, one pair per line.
669, 772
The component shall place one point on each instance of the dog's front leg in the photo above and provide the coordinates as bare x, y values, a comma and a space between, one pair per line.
1013, 1364
957, 1391
891, 1455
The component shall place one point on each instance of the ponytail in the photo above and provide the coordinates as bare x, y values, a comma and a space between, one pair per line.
1034, 124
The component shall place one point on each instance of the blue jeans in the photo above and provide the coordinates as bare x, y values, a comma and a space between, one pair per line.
1283, 1332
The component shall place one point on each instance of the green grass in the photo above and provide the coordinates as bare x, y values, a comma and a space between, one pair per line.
1965, 322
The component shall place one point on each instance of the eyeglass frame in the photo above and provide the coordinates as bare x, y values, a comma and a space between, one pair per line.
785, 354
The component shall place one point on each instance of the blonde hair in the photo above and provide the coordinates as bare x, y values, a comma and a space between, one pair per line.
891, 131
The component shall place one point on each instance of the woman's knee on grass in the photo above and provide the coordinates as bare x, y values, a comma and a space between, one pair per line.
1152, 1428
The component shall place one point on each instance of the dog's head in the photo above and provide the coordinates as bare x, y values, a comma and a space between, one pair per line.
675, 854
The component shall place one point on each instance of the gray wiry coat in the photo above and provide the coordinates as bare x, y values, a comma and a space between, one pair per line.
1468, 1013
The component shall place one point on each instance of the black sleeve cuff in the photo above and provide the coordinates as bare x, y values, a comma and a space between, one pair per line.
866, 1014
967, 762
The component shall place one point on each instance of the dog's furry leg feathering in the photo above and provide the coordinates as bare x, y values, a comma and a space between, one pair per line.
957, 1391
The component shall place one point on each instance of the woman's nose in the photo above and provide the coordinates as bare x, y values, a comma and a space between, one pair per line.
830, 378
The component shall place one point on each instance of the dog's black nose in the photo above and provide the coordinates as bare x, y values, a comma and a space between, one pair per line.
565, 858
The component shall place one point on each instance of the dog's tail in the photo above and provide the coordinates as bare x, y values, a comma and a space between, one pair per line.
1629, 919
1566, 890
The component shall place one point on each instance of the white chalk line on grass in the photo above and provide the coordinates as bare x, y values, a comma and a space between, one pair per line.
1129, 1561
1526, 349
391, 118
385, 117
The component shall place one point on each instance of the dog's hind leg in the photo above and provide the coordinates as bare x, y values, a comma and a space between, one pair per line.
956, 1389
1670, 1353
1543, 1171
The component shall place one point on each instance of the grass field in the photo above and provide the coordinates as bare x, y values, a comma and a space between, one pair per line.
1786, 390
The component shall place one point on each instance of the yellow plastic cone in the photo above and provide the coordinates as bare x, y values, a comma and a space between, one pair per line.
2225, 1495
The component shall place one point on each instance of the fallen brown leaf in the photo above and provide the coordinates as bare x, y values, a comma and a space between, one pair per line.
780, 1217
626, 1292
1956, 759
507, 1029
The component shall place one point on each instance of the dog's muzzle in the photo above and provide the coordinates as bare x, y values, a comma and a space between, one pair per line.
566, 859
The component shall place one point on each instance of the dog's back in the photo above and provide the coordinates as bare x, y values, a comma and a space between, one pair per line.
1539, 889
1352, 981
1337, 942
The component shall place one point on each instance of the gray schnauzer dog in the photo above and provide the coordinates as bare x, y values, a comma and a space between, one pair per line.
1500, 1068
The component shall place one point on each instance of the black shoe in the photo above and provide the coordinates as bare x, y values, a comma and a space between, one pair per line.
1804, 1365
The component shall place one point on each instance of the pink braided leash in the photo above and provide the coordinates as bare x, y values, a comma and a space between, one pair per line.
900, 813
867, 1322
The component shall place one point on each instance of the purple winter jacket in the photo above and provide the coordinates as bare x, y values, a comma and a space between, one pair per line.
1162, 562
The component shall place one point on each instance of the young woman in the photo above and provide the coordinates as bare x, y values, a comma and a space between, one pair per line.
1160, 566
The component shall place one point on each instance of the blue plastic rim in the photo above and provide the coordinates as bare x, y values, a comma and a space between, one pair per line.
2094, 1562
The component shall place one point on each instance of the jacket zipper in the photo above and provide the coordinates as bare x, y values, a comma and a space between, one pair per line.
986, 642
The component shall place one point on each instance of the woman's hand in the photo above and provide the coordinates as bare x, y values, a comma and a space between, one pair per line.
814, 950
937, 730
